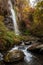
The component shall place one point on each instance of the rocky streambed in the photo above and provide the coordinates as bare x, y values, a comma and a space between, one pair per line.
23, 55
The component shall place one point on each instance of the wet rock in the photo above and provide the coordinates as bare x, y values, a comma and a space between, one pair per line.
8, 22
40, 47
28, 43
34, 48
15, 55
22, 43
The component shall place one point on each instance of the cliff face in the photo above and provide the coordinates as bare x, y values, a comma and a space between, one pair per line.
22, 11
5, 12
3, 7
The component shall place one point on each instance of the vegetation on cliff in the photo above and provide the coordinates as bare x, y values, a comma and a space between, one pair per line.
30, 20
37, 27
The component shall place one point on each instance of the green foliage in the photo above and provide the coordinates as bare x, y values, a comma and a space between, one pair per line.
26, 32
7, 38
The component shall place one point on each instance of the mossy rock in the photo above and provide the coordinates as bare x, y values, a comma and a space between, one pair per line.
12, 56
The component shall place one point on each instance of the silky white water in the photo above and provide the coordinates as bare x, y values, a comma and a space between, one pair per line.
13, 17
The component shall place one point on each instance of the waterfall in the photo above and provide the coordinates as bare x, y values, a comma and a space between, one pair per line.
13, 17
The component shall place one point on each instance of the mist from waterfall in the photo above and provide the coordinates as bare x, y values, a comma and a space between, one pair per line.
13, 16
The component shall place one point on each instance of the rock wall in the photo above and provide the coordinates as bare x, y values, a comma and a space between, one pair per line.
4, 11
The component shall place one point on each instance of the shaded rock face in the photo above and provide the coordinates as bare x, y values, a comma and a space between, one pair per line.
9, 23
4, 7
6, 13
15, 55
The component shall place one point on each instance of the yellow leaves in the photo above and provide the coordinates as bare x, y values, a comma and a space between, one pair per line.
22, 8
26, 9
25, 12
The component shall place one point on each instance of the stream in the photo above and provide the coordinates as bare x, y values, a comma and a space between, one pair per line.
29, 59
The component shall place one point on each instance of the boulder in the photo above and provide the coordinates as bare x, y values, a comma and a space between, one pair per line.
15, 55
40, 47
34, 48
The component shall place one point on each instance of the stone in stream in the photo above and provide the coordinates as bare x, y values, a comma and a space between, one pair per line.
40, 47
28, 43
34, 48
15, 55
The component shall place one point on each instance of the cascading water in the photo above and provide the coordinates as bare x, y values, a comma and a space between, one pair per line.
13, 17
16, 30
28, 56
